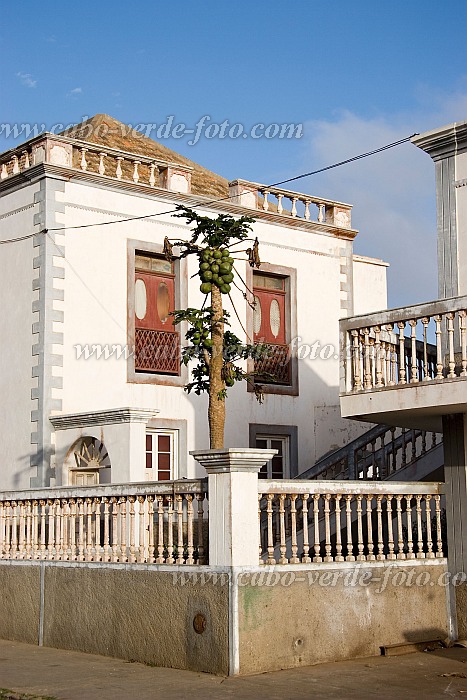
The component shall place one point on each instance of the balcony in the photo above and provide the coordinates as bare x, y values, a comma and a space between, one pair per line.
406, 366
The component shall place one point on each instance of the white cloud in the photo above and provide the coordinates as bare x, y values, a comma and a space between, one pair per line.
76, 91
393, 192
27, 80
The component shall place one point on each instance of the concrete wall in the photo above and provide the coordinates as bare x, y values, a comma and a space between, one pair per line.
461, 606
137, 613
304, 619
369, 285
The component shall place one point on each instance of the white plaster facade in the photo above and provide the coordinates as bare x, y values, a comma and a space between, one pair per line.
70, 287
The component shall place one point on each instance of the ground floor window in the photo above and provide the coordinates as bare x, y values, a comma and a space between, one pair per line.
279, 466
162, 455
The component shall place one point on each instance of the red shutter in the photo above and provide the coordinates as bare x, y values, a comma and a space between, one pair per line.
271, 300
160, 301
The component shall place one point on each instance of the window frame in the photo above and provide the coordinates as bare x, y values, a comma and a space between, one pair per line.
181, 301
264, 430
290, 276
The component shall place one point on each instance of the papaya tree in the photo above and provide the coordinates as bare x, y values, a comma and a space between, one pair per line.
211, 345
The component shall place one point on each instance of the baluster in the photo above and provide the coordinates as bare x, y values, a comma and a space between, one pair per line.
22, 531
378, 357
200, 499
410, 552
131, 513
3, 171
429, 540
327, 528
391, 554
413, 436
321, 209
307, 209
152, 176
294, 206
170, 546
282, 548
151, 557
402, 373
433, 440
160, 531
439, 351
135, 171
423, 442
337, 514
317, 546
426, 370
393, 449
2, 530
102, 155
83, 163
8, 529
293, 517
66, 512
306, 559
384, 366
348, 511
107, 550
404, 447
280, 208
59, 528
400, 531
51, 538
179, 501
115, 539
28, 530
87, 522
462, 329
439, 539
123, 529
35, 529
420, 553
43, 553
15, 161
189, 517
118, 169
72, 529
452, 361
379, 512
357, 380
260, 533
265, 194
384, 466
360, 545
269, 512
367, 383
413, 337
374, 474
141, 529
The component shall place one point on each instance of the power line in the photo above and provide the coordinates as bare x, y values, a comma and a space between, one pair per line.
222, 199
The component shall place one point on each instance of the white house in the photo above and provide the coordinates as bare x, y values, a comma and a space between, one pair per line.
84, 283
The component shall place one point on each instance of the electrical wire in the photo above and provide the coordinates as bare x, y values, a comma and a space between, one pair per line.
221, 199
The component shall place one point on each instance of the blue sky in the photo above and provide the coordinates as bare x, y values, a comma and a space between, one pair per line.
357, 73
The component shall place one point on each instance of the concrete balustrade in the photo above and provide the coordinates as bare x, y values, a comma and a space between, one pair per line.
344, 521
161, 523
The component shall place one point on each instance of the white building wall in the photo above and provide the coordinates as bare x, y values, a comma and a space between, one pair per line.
370, 288
17, 211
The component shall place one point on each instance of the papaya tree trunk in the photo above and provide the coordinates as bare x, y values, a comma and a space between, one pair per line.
216, 410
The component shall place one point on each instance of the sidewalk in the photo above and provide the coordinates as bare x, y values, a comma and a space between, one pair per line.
69, 675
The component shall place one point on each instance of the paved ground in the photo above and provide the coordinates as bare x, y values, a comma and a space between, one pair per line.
69, 675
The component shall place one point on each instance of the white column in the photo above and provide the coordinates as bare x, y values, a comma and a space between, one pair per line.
233, 503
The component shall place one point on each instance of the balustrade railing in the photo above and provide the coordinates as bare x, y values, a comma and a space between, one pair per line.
285, 202
96, 159
378, 454
303, 522
161, 523
423, 343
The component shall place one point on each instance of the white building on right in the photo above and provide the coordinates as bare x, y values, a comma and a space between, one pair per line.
408, 366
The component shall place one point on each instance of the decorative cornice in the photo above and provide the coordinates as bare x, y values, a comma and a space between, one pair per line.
444, 142
90, 418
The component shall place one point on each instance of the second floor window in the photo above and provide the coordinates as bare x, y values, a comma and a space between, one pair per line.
269, 328
156, 340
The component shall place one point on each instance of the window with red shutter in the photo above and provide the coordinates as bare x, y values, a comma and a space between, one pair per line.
269, 329
156, 340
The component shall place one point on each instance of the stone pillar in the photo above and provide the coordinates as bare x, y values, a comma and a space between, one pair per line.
447, 147
455, 475
233, 503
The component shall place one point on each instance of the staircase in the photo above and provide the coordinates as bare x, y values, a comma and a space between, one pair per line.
383, 453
